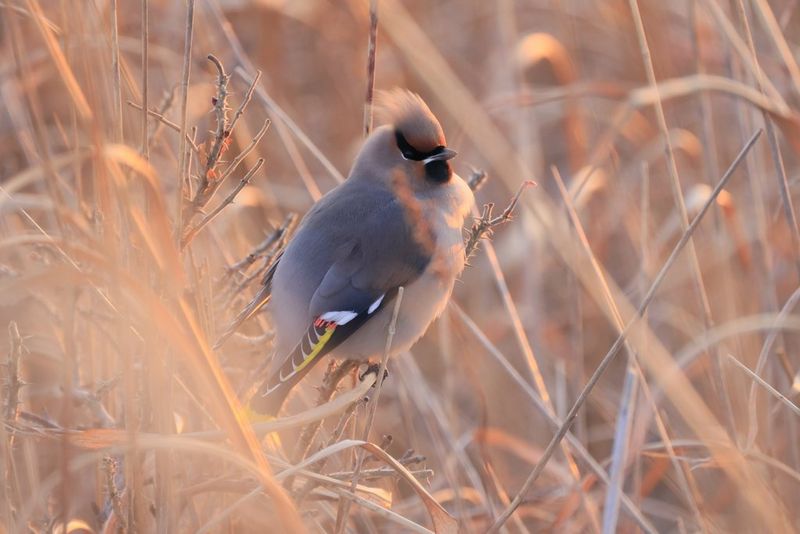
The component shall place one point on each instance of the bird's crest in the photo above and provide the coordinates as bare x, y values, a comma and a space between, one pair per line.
411, 117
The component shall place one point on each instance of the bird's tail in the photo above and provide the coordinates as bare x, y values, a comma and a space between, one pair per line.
273, 392
270, 397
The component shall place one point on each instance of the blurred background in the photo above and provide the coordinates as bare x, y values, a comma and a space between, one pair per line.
123, 261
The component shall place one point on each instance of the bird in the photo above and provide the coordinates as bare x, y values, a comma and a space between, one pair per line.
396, 221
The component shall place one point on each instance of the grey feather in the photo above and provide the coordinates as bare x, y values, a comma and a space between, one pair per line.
355, 245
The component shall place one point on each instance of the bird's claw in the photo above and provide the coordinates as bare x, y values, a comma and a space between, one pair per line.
373, 368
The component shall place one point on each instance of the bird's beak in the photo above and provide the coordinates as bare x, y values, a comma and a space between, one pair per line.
444, 155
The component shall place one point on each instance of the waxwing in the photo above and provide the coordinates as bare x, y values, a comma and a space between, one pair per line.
396, 221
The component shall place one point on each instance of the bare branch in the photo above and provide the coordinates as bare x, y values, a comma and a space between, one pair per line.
192, 233
486, 223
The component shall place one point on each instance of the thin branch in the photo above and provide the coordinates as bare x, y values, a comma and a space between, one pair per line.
192, 233
168, 123
145, 75
349, 497
766, 385
110, 466
371, 50
486, 223
273, 107
116, 79
330, 382
13, 385
265, 245
248, 96
183, 176
220, 102
245, 151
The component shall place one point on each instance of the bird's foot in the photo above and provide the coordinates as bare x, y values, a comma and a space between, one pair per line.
373, 368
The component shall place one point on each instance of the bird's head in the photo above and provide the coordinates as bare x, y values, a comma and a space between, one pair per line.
410, 142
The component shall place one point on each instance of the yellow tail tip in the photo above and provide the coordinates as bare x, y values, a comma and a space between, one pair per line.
253, 416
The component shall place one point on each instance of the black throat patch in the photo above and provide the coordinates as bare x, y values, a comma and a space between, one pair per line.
438, 171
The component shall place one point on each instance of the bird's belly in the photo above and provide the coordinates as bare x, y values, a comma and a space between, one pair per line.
423, 301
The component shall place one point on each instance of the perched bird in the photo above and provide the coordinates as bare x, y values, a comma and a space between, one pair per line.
396, 221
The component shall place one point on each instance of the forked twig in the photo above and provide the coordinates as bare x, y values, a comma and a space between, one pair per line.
486, 223
210, 180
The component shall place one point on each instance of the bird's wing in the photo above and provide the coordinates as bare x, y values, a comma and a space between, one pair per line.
390, 249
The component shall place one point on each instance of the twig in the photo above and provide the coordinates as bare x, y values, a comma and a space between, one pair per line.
166, 122
163, 107
604, 363
766, 385
145, 75
349, 497
220, 102
380, 472
255, 341
486, 223
210, 179
333, 376
238, 288
110, 471
265, 291
116, 79
344, 506
265, 245
336, 435
183, 176
245, 151
371, 49
11, 408
192, 232
248, 96
273, 106
208, 174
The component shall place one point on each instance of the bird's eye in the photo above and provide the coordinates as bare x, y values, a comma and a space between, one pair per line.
408, 151
411, 153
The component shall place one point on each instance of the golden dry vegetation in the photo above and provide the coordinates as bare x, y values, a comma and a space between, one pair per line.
643, 298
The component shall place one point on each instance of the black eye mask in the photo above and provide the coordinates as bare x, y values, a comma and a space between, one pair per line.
409, 152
